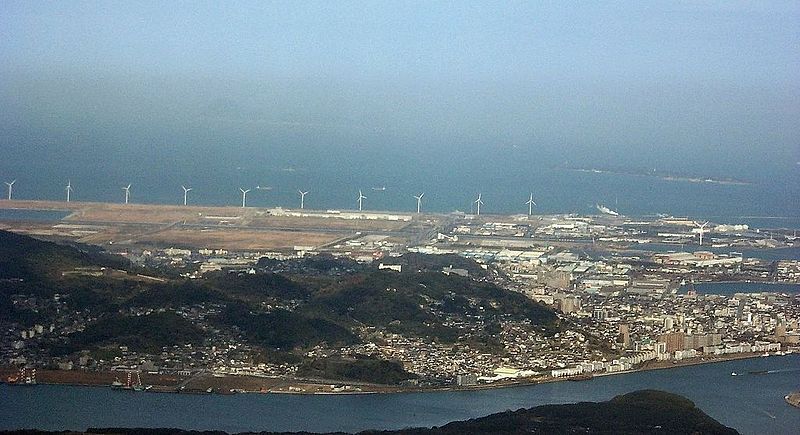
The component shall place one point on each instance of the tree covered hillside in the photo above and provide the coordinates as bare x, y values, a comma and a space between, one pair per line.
314, 309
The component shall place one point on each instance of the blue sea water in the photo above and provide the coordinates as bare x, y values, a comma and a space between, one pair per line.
753, 404
451, 180
730, 288
790, 253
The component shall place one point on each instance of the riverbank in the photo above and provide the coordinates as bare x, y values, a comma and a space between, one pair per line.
96, 378
660, 365
230, 384
759, 407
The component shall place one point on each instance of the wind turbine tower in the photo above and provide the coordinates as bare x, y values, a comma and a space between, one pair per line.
702, 230
419, 201
68, 189
127, 190
479, 202
361, 197
530, 204
244, 197
10, 184
185, 193
302, 198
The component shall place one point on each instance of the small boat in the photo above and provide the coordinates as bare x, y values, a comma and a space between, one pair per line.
734, 374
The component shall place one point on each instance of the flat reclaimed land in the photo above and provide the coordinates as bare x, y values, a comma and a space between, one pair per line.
86, 377
232, 228
241, 239
226, 384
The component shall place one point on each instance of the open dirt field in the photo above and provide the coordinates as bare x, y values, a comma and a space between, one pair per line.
237, 239
328, 223
232, 228
133, 214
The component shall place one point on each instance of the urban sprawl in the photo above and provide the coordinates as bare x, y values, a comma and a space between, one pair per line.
630, 282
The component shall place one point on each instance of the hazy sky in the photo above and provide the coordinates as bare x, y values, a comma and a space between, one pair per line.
641, 82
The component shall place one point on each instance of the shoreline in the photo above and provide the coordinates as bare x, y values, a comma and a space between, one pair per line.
53, 205
227, 385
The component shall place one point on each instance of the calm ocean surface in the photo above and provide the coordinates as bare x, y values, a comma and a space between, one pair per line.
729, 288
450, 182
753, 404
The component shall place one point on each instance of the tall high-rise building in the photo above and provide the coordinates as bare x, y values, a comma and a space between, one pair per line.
673, 340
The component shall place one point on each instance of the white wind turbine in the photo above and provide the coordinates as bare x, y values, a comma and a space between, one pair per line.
10, 184
127, 190
361, 197
530, 204
68, 189
702, 230
185, 193
302, 198
244, 196
479, 202
419, 200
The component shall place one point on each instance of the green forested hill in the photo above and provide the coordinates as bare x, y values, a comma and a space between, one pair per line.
23, 257
639, 412
329, 304
146, 333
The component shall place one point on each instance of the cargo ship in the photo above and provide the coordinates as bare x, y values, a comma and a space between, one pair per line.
605, 210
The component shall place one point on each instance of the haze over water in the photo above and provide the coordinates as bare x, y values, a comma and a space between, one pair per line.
449, 99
